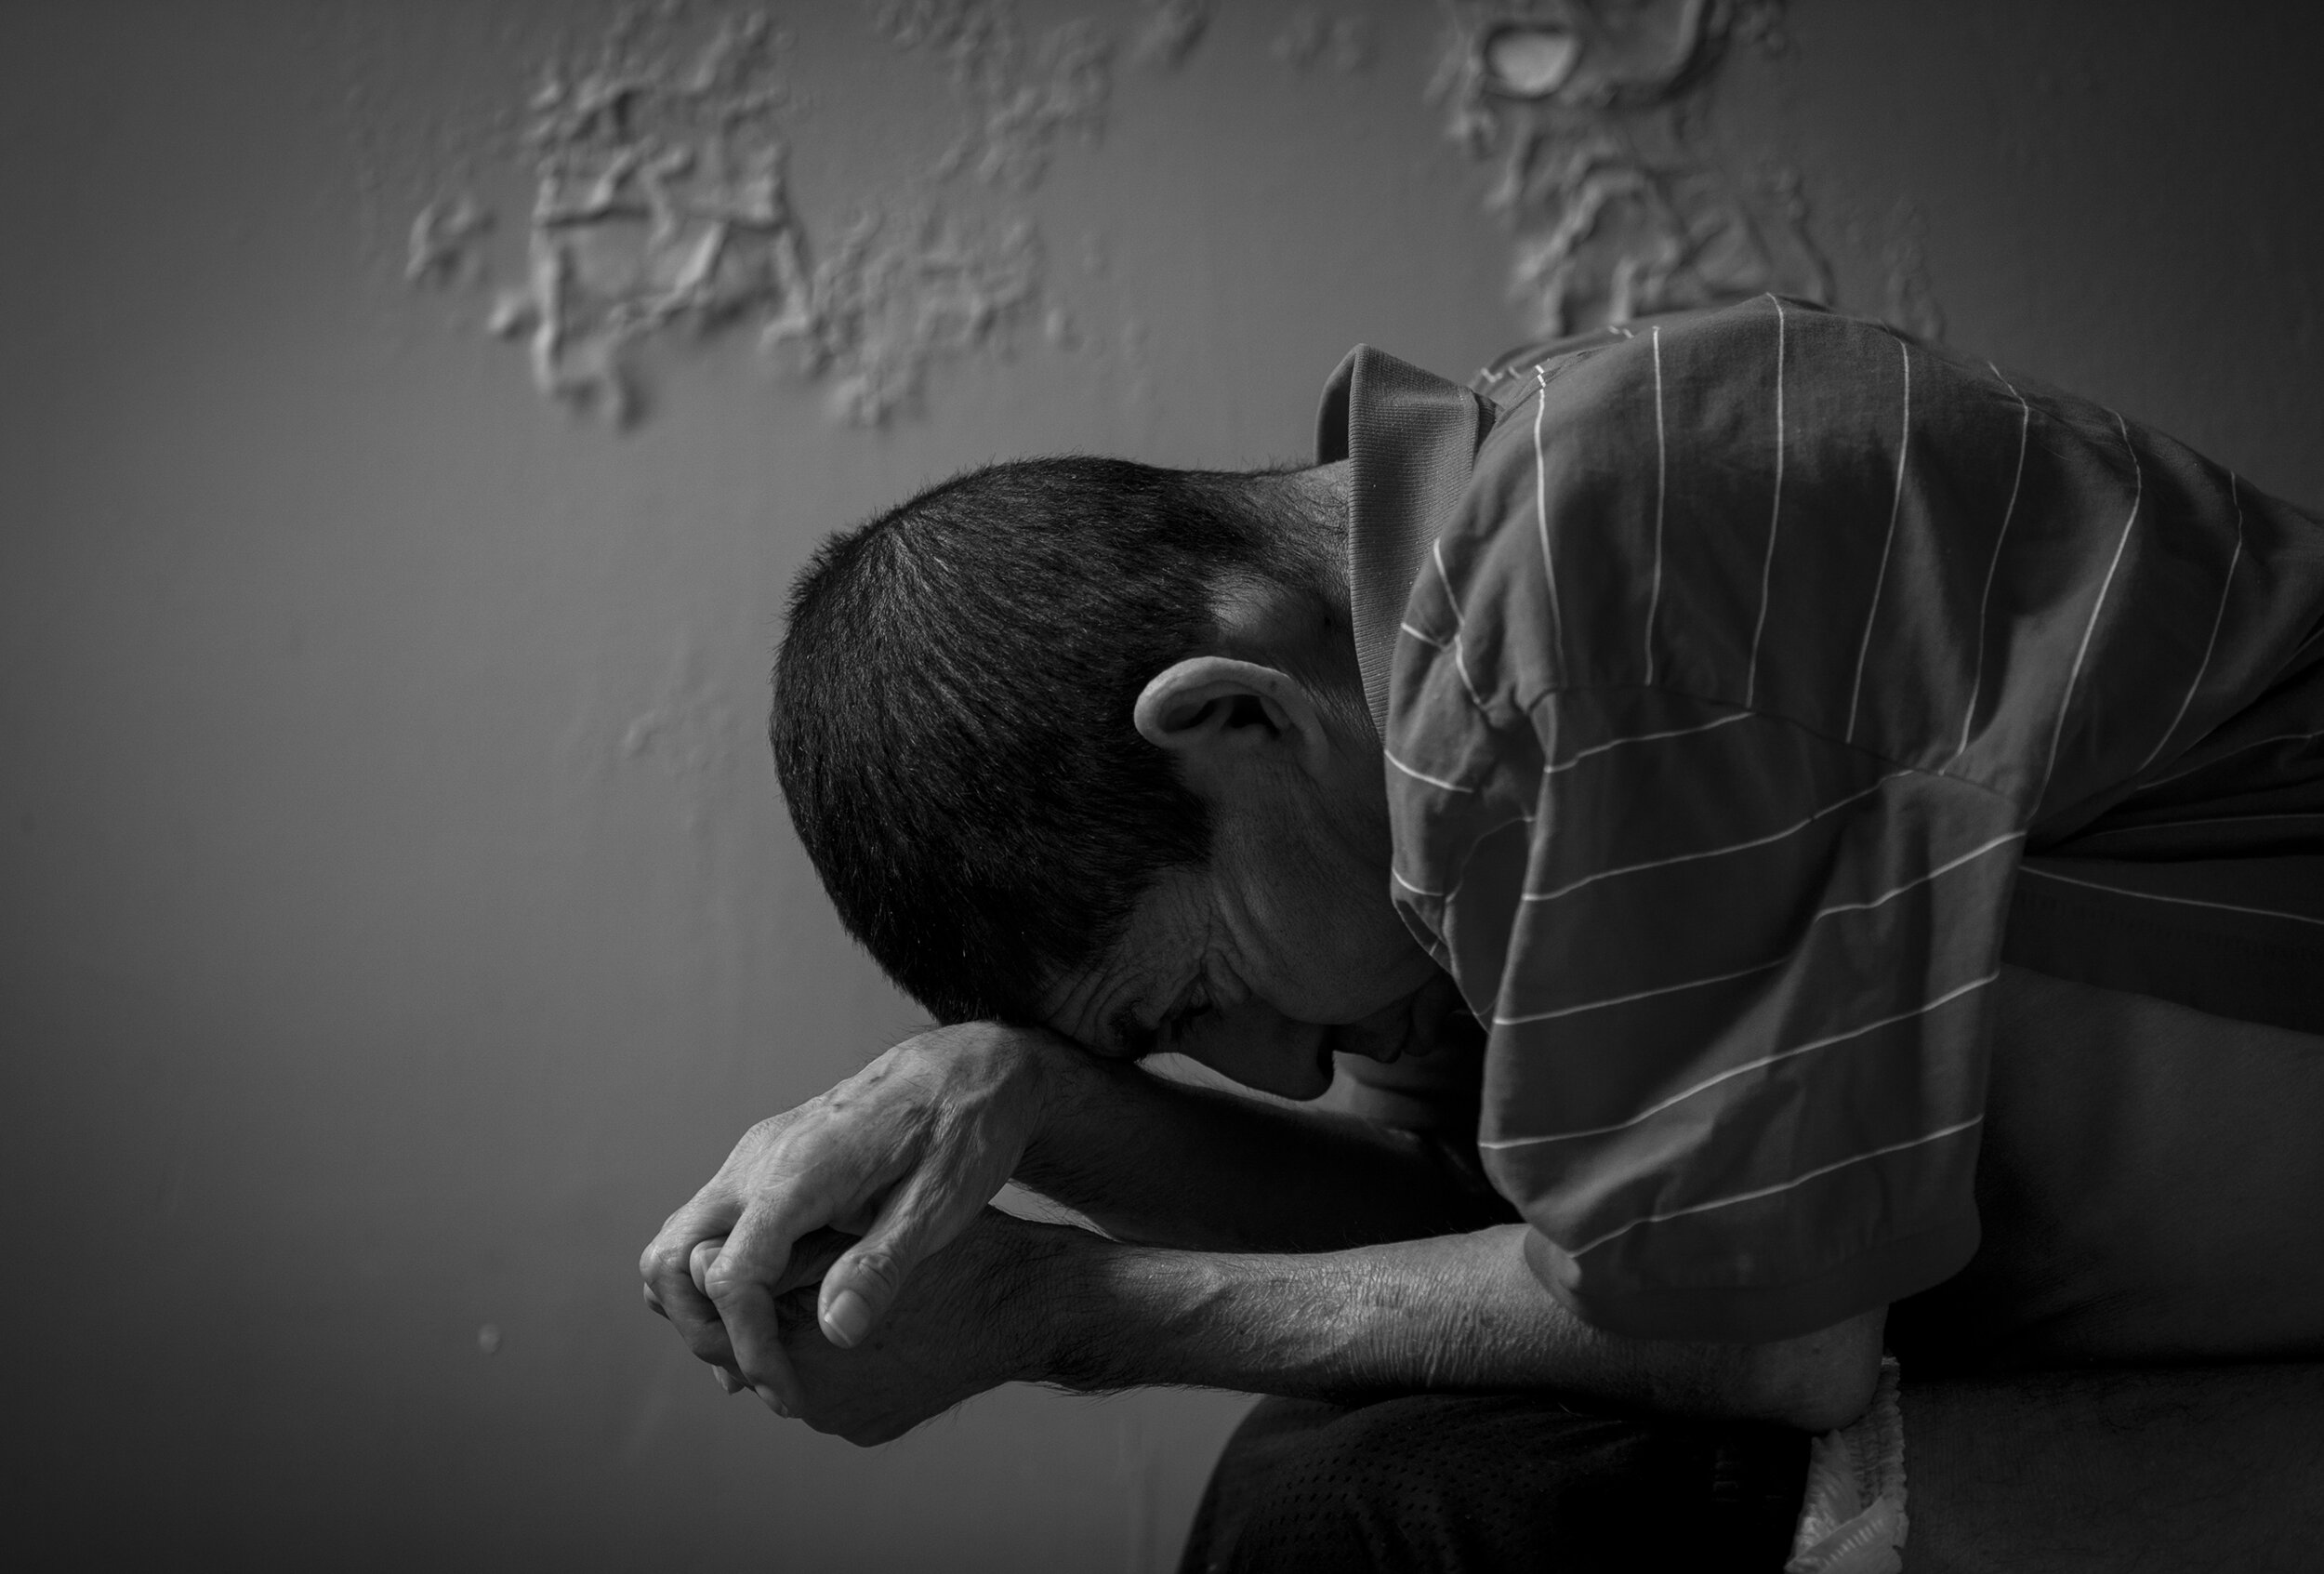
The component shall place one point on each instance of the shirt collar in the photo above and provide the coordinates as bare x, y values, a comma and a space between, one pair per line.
1412, 439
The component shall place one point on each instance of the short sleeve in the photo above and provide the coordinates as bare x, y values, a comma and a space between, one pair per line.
1760, 649
1740, 1026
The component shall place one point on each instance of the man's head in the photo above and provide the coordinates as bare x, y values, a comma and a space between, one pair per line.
1081, 742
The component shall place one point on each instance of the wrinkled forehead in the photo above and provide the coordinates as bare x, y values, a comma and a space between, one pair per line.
1114, 1004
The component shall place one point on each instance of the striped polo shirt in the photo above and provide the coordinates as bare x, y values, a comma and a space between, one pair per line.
1753, 684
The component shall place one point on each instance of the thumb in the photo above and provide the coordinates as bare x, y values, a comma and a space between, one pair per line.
865, 1282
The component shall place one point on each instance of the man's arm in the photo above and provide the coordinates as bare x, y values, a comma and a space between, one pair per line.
2094, 1471
906, 1153
1162, 1163
1453, 1313
1013, 1300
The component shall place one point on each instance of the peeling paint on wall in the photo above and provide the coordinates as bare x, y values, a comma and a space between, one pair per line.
661, 203
441, 250
658, 202
897, 294
1022, 98
1588, 109
661, 210
660, 206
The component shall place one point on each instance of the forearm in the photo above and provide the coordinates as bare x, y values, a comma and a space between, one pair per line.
1451, 1314
1158, 1162
2199, 1468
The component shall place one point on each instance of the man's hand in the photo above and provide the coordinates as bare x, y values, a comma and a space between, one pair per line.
904, 1155
960, 1328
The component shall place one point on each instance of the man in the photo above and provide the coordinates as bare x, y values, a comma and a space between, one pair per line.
1860, 796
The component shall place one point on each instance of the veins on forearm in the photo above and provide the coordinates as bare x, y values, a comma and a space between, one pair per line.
1338, 1326
1454, 1313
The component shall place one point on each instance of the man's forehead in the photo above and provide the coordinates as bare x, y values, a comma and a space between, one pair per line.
1111, 1005
1098, 1008
1114, 1003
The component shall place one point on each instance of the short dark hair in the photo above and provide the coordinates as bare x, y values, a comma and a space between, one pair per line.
953, 710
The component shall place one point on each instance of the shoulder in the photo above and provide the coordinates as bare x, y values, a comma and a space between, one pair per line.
1588, 430
1628, 505
1510, 379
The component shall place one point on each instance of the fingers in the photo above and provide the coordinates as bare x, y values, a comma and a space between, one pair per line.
811, 1256
907, 1149
757, 1337
865, 1282
698, 1263
671, 1287
741, 1283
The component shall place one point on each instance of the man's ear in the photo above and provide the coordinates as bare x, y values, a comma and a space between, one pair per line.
1213, 708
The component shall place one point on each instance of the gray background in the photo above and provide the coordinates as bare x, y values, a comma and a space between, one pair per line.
400, 918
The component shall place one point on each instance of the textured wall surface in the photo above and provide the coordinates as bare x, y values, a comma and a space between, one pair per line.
399, 918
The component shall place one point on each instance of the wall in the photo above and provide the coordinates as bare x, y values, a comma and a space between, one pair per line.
398, 915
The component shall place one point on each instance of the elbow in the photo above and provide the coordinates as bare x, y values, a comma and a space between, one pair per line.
1823, 1404
1820, 1382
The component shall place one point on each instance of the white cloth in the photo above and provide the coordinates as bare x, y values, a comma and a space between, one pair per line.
1852, 1516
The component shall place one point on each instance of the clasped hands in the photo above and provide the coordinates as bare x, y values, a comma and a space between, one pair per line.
843, 1264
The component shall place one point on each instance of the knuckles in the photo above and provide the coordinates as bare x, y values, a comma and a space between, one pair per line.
919, 1110
726, 1279
876, 1274
666, 1257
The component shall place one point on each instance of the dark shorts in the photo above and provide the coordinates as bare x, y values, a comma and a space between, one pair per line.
1464, 1484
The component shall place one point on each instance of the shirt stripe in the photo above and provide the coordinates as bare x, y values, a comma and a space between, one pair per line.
1888, 542
1596, 748
2177, 901
1436, 556
1541, 511
1821, 913
1775, 521
1662, 471
2227, 589
1397, 875
1828, 1040
2229, 754
1993, 565
1423, 775
1799, 1180
2081, 651
1461, 665
1769, 840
